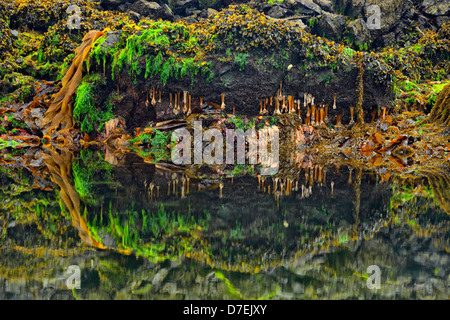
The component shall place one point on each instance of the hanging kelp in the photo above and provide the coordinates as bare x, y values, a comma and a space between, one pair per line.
440, 114
60, 113
439, 182
60, 166
360, 88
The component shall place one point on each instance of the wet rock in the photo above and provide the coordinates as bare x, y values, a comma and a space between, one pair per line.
208, 12
193, 12
152, 10
107, 240
391, 10
192, 19
37, 163
180, 7
277, 12
170, 288
37, 113
359, 31
298, 288
114, 4
423, 20
326, 5
185, 3
311, 6
111, 39
290, 3
331, 24
14, 33
300, 23
136, 17
351, 8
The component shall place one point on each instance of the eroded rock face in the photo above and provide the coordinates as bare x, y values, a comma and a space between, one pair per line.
436, 7
244, 89
315, 66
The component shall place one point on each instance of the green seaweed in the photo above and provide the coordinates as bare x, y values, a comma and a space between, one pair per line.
86, 114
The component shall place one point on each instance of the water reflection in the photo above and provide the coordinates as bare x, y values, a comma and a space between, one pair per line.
161, 231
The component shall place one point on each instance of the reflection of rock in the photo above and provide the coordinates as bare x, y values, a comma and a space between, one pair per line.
159, 277
107, 240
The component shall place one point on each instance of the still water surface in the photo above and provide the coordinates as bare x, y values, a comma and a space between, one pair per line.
140, 230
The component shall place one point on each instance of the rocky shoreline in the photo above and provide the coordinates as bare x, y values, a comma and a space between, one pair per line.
244, 54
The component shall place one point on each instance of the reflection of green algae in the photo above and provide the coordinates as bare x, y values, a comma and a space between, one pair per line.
160, 236
159, 142
231, 289
84, 168
9, 144
143, 290
236, 294
85, 113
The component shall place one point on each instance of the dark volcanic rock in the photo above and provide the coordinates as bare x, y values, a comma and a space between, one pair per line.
114, 4
244, 89
359, 31
277, 12
331, 24
308, 65
310, 5
152, 10
326, 4
179, 7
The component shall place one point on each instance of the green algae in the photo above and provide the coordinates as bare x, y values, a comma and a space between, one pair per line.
86, 114
156, 236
